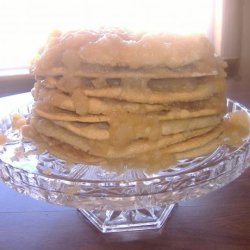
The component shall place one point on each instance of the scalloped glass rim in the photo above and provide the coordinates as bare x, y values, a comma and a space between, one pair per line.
188, 175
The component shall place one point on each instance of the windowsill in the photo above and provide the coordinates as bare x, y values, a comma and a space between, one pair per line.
14, 81
14, 73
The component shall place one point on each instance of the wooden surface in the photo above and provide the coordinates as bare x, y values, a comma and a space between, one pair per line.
219, 220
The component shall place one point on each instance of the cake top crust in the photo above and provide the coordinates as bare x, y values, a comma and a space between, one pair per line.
121, 48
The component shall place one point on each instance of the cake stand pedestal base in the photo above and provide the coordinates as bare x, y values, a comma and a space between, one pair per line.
108, 221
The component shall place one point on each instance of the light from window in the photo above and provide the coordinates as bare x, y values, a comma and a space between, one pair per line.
25, 24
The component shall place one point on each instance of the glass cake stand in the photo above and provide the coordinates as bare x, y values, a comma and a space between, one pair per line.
129, 200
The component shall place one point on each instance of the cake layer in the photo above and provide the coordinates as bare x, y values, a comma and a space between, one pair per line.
127, 98
193, 147
68, 84
179, 112
105, 148
96, 106
209, 67
101, 131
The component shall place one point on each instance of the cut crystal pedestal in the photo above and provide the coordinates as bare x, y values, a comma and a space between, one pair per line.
128, 220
